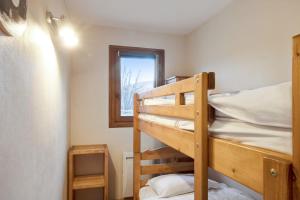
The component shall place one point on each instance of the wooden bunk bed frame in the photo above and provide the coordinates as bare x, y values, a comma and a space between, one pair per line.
275, 175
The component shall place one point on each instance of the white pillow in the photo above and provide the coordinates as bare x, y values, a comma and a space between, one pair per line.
175, 184
271, 106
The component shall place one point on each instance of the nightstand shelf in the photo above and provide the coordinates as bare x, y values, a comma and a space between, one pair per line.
91, 180
88, 149
88, 181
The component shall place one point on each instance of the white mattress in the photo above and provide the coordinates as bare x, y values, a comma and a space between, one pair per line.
224, 193
273, 138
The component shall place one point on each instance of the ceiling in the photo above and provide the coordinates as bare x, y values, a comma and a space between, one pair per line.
165, 16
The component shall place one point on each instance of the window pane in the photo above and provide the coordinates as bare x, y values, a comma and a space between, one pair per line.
137, 75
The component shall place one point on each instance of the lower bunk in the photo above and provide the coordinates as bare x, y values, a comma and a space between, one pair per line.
266, 172
170, 177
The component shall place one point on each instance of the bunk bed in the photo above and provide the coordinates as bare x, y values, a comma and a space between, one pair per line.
273, 174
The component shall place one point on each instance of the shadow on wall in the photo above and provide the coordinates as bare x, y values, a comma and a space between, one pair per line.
112, 178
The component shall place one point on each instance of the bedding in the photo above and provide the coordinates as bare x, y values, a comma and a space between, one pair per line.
270, 106
175, 184
273, 138
222, 193
172, 184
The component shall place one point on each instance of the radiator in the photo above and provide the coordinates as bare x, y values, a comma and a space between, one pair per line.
127, 174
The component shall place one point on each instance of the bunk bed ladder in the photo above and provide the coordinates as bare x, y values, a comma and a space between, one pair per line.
296, 117
277, 179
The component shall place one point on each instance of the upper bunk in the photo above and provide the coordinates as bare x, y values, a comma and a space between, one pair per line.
253, 122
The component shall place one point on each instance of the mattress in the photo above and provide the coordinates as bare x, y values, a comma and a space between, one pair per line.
223, 193
272, 138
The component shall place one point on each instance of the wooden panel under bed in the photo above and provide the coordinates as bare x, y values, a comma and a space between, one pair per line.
267, 172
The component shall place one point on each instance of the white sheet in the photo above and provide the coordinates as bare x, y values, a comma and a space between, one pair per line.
273, 138
270, 106
224, 193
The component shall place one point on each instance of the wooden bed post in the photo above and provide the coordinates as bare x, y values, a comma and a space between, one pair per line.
277, 179
136, 150
201, 137
296, 117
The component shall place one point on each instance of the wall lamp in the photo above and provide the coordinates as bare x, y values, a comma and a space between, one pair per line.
64, 30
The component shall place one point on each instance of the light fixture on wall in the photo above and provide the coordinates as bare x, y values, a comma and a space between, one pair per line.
63, 29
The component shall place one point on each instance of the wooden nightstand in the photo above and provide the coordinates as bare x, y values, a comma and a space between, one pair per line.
87, 181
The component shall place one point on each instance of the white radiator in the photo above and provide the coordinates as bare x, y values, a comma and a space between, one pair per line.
127, 174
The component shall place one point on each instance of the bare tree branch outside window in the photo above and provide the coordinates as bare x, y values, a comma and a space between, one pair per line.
128, 88
133, 81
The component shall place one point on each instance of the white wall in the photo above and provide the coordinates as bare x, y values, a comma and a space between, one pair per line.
89, 89
248, 44
33, 112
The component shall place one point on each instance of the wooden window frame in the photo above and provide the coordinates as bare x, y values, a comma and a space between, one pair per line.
115, 118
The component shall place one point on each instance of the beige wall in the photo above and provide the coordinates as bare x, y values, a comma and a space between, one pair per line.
34, 112
248, 44
89, 89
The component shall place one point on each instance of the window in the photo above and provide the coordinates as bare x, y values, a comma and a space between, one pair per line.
131, 70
